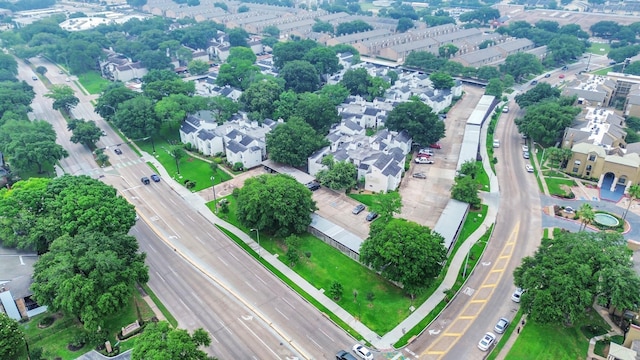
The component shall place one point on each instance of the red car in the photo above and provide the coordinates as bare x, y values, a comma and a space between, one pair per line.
435, 146
561, 76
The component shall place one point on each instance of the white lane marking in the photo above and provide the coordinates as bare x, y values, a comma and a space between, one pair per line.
249, 285
173, 271
260, 339
264, 282
160, 276
173, 202
180, 221
238, 260
21, 260
152, 248
225, 327
201, 242
313, 341
283, 315
325, 334
214, 338
285, 300
190, 218
197, 298
185, 305
222, 261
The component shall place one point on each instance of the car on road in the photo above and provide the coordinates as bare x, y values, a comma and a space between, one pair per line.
529, 168
525, 148
525, 154
486, 341
565, 67
501, 325
423, 160
34, 78
547, 75
118, 151
313, 185
145, 180
362, 352
419, 175
505, 109
435, 146
67, 79
358, 209
517, 295
372, 216
60, 72
343, 355
534, 82
496, 143
561, 76
155, 178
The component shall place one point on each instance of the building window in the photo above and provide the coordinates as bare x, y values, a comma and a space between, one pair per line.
592, 157
588, 168
575, 169
622, 180
588, 173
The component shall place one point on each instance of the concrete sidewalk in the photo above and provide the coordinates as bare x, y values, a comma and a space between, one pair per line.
385, 342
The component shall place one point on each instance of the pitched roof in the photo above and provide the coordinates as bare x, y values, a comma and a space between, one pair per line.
235, 147
187, 128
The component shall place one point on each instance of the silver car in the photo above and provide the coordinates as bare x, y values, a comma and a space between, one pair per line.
501, 326
486, 341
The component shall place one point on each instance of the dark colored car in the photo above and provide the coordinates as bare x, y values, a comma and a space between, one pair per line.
435, 146
343, 355
358, 209
145, 180
313, 186
372, 216
534, 82
118, 151
155, 178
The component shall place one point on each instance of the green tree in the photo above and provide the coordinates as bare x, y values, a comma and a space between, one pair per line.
567, 272
63, 96
324, 59
465, 189
41, 70
198, 67
272, 31
339, 175
634, 194
494, 87
633, 68
520, 65
222, 108
335, 92
482, 15
300, 76
541, 92
11, 338
488, 72
259, 99
336, 290
158, 90
177, 153
447, 51
404, 24
386, 204
470, 168
137, 119
276, 204
605, 29
108, 102
441, 80
418, 120
238, 37
546, 121
237, 73
286, 105
85, 132
318, 111
161, 341
293, 142
284, 52
356, 81
405, 252
322, 27
90, 275
565, 47
25, 144
586, 214
351, 27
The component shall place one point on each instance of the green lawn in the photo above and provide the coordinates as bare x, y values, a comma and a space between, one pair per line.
472, 223
599, 48
554, 185
505, 337
54, 339
93, 82
538, 342
483, 178
602, 344
366, 199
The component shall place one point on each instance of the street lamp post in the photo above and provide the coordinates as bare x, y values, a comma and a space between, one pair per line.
215, 201
258, 238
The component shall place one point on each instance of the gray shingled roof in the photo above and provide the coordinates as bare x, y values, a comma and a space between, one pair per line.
235, 147
187, 128
206, 134
392, 169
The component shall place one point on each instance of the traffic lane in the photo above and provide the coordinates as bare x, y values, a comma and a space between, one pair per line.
240, 273
197, 302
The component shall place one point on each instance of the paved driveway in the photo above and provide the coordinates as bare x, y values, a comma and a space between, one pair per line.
336, 207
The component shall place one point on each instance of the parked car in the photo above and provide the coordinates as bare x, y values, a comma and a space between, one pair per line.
517, 295
362, 352
313, 185
425, 155
534, 82
486, 341
501, 326
425, 152
423, 160
561, 76
358, 209
155, 178
435, 146
343, 355
529, 168
372, 216
419, 175
145, 180
505, 109
525, 148
118, 151
496, 143
34, 78
547, 75
525, 154
565, 67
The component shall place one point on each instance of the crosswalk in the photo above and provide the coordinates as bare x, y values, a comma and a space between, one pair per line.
123, 164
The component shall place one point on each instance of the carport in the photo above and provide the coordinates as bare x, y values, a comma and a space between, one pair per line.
450, 222
336, 236
274, 167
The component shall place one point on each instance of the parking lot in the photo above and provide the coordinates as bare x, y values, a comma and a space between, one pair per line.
336, 207
423, 200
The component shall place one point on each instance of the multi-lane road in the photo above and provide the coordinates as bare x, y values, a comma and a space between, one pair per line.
249, 312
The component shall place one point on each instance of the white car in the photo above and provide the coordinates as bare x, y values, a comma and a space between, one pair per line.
517, 295
525, 154
425, 152
501, 326
423, 160
525, 148
362, 352
505, 109
529, 168
486, 341
496, 143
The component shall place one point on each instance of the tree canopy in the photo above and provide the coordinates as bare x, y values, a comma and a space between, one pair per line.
293, 142
406, 252
11, 338
418, 119
544, 122
90, 275
541, 92
63, 96
161, 341
260, 97
137, 119
85, 132
277, 204
520, 65
568, 272
317, 110
339, 175
300, 76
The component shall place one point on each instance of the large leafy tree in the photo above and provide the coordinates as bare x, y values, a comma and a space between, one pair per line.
565, 47
465, 189
441, 80
260, 97
386, 204
293, 142
356, 81
300, 76
284, 52
418, 119
114, 95
541, 92
85, 132
161, 341
15, 97
11, 338
336, 92
405, 252
338, 175
90, 275
277, 204
63, 96
29, 143
158, 90
37, 211
8, 67
137, 118
544, 122
520, 65
324, 59
568, 272
318, 111
222, 108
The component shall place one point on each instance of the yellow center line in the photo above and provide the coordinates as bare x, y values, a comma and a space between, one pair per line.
450, 341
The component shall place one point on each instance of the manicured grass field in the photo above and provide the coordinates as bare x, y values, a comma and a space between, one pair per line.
366, 199
483, 178
599, 48
472, 223
541, 342
554, 185
93, 82
55, 338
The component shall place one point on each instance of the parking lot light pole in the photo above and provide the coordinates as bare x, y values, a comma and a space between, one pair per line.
258, 238
215, 202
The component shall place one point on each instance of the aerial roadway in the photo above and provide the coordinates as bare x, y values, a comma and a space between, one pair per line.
201, 276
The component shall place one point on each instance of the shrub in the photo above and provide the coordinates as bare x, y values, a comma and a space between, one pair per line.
47, 321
